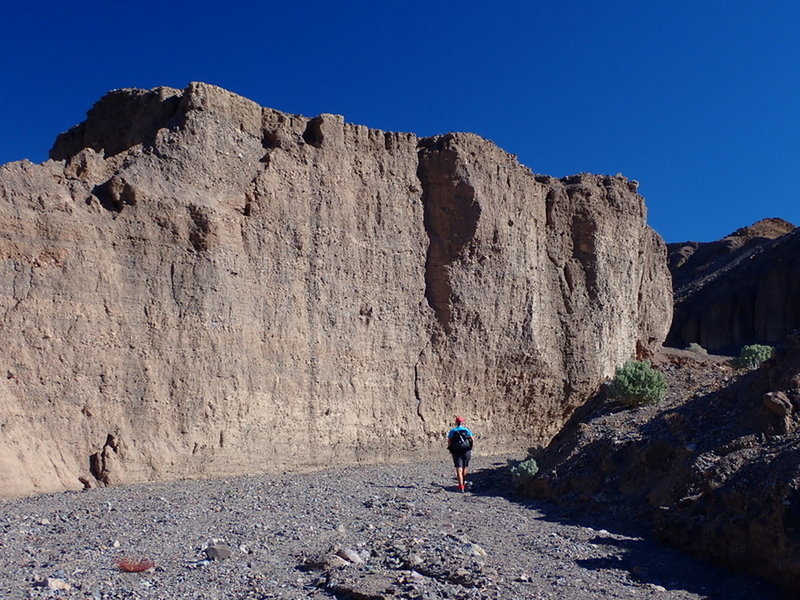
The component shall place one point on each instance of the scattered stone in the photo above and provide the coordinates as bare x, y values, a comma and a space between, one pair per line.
415, 560
473, 550
325, 561
406, 557
199, 563
218, 552
350, 556
53, 583
336, 562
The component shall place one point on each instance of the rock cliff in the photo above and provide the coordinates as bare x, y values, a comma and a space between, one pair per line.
742, 289
195, 285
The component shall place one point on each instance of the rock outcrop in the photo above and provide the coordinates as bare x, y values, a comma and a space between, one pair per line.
195, 285
715, 472
742, 289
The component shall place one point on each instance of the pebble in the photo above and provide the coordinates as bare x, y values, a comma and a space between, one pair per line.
53, 583
218, 552
350, 556
421, 540
473, 550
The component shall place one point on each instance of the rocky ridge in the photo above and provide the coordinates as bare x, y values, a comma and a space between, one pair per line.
742, 289
198, 286
714, 469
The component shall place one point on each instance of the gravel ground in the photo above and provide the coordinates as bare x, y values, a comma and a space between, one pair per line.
400, 532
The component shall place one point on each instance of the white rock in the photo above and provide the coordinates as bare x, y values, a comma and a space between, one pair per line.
473, 550
350, 556
54, 583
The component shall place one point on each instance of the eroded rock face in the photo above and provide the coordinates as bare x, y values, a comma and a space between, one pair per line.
742, 289
195, 285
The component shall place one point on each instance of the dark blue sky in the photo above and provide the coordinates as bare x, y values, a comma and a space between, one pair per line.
699, 101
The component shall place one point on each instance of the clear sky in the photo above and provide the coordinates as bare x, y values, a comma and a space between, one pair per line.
699, 101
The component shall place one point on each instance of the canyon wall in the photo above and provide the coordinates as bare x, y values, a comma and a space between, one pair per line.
742, 289
198, 286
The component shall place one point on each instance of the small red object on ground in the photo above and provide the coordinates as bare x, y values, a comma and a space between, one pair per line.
132, 565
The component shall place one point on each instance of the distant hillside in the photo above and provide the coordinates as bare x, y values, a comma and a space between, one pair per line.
742, 289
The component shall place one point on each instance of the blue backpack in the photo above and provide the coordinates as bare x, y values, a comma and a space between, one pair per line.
461, 441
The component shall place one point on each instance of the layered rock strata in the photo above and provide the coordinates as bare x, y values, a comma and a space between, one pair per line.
195, 285
742, 289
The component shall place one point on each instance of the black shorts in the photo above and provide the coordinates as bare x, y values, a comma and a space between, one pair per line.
461, 459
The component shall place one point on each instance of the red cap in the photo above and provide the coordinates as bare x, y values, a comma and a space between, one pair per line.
460, 419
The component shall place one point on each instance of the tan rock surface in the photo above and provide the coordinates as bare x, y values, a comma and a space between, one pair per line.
199, 286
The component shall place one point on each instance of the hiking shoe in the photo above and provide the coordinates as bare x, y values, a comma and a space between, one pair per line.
461, 488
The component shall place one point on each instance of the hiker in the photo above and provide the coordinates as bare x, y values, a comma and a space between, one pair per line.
459, 443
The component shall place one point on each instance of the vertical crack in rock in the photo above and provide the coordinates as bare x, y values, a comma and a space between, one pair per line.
100, 462
584, 248
417, 394
450, 216
201, 232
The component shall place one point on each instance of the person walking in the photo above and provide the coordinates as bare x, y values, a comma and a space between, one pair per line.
459, 443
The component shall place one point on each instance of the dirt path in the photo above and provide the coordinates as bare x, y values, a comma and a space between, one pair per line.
418, 538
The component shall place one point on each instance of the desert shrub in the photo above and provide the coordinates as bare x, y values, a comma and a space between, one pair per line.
636, 383
750, 357
696, 348
524, 471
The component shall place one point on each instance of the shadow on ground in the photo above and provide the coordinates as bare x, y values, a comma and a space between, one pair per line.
631, 547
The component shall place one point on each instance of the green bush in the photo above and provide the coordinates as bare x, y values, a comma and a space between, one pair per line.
636, 383
696, 348
524, 471
750, 357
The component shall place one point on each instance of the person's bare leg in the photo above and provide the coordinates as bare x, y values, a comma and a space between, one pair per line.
460, 476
